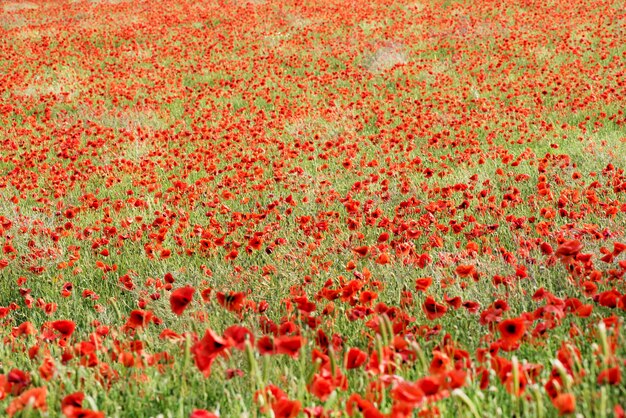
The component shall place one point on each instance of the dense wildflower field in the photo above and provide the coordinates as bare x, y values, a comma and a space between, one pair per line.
321, 208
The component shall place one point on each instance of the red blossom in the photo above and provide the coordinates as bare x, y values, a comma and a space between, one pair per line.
432, 309
181, 298
355, 358
207, 349
35, 397
64, 327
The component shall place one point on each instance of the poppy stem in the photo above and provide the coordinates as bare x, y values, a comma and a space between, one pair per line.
113, 303
382, 329
516, 384
603, 402
388, 326
381, 363
333, 362
417, 349
183, 381
605, 343
304, 378
565, 377
539, 401
459, 394
256, 379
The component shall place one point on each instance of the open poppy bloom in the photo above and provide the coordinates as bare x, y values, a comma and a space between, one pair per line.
232, 301
357, 405
511, 331
286, 408
568, 249
422, 284
408, 393
64, 327
18, 380
35, 397
207, 349
432, 309
202, 413
277, 399
465, 270
320, 387
612, 376
237, 336
439, 363
568, 252
289, 345
138, 319
565, 403
73, 400
355, 358
181, 298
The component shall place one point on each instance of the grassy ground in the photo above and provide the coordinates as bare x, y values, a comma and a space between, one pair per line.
326, 208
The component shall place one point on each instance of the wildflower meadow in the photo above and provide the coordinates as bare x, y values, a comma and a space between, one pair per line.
312, 208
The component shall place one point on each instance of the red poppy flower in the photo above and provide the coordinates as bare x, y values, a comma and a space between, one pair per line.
355, 358
138, 319
232, 255
545, 248
565, 403
508, 379
202, 413
456, 379
35, 397
454, 302
363, 406
168, 334
439, 363
584, 311
233, 301
612, 376
265, 345
237, 335
285, 408
289, 345
47, 369
512, 330
19, 380
206, 294
422, 284
589, 288
465, 270
432, 309
82, 413
270, 394
207, 349
320, 387
383, 258
618, 248
568, 249
74, 400
255, 242
408, 393
25, 328
181, 298
429, 385
64, 327
471, 306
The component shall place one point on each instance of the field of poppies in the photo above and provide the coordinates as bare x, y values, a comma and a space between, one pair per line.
320, 208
